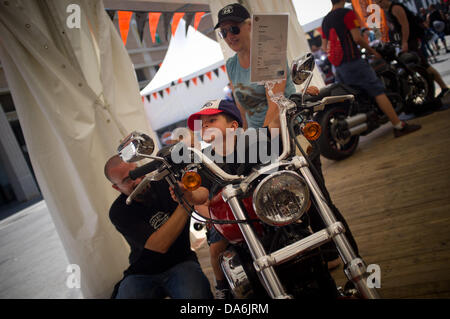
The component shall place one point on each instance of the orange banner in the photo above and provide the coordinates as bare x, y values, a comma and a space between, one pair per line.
360, 8
153, 19
198, 17
175, 20
124, 24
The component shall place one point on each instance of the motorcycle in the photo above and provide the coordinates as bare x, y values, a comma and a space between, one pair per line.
408, 86
265, 215
325, 67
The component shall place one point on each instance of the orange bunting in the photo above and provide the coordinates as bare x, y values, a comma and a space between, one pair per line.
153, 19
195, 81
155, 95
124, 24
175, 20
209, 75
223, 67
168, 90
180, 80
198, 17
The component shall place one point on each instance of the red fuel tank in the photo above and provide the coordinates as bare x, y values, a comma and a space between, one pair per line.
218, 209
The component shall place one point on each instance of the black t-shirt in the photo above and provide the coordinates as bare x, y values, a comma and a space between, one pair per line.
136, 222
254, 148
336, 28
416, 29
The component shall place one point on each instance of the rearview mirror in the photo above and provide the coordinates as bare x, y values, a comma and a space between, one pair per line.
134, 146
302, 68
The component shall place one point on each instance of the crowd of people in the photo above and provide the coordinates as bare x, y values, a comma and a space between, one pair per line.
156, 226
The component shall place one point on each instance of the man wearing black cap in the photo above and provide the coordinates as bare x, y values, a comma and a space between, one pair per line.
234, 26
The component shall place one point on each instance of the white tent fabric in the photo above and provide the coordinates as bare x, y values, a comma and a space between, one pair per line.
297, 43
187, 57
76, 96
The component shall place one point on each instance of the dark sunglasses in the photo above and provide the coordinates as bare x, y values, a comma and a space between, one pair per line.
233, 29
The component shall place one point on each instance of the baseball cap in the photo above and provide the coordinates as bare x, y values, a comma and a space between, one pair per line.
232, 12
216, 107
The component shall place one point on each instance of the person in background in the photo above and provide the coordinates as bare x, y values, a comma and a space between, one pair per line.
256, 108
341, 35
410, 32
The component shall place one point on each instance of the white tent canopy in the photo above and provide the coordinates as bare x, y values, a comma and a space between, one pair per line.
187, 57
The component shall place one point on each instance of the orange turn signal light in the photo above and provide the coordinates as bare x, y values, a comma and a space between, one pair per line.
311, 131
191, 180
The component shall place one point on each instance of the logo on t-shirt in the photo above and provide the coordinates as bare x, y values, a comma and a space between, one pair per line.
336, 53
158, 220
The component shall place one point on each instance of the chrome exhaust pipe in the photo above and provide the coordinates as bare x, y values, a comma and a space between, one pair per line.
356, 120
358, 129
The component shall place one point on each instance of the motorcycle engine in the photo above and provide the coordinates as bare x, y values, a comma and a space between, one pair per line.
305, 275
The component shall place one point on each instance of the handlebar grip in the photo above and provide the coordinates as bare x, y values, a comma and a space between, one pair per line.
144, 169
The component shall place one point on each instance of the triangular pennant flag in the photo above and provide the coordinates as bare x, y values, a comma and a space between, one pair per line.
195, 81
142, 98
209, 75
172, 84
175, 20
167, 16
124, 24
187, 83
198, 17
168, 90
216, 72
141, 19
180, 81
188, 17
201, 77
224, 69
148, 98
161, 93
155, 95
111, 14
153, 19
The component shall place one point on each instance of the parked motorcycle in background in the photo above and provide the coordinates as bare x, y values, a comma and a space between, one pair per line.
408, 85
264, 215
324, 65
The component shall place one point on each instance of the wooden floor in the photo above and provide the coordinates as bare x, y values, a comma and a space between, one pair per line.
395, 195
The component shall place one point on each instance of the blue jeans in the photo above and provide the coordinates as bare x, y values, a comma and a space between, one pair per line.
183, 281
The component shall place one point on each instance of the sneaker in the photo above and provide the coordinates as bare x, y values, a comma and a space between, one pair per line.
444, 96
222, 294
407, 128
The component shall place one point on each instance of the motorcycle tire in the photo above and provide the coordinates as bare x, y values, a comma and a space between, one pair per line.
429, 102
328, 145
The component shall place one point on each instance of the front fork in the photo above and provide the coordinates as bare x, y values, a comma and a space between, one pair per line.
355, 268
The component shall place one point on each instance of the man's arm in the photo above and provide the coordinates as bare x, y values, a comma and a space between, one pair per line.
400, 14
162, 239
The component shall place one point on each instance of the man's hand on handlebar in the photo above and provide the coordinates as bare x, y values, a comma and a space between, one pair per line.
197, 197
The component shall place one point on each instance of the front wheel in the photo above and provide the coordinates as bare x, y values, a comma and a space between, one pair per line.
334, 143
421, 99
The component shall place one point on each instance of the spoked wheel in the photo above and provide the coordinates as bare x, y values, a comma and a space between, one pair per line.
335, 143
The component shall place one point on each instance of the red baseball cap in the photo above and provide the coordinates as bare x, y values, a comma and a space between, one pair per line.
216, 107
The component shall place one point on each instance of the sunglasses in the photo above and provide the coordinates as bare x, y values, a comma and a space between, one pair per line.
233, 29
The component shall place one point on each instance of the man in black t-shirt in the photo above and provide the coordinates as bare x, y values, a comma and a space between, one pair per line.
157, 229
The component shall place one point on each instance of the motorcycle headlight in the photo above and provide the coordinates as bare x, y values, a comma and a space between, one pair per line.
281, 198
